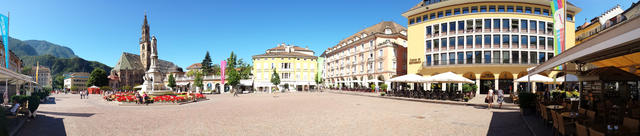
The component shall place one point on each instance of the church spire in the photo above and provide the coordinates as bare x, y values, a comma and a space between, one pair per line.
145, 30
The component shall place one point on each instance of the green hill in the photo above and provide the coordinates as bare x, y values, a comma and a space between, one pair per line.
38, 48
60, 66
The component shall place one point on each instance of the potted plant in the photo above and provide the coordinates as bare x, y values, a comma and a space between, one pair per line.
527, 102
466, 98
373, 87
468, 88
383, 93
384, 87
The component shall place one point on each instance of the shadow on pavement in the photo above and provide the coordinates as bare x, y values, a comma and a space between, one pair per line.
507, 124
67, 114
43, 125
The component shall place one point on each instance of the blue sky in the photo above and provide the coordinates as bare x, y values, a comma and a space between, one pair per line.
101, 30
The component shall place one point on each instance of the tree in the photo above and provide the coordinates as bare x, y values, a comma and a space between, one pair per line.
198, 80
318, 79
98, 77
206, 65
58, 82
106, 88
74, 88
26, 70
275, 78
234, 78
172, 81
231, 61
216, 69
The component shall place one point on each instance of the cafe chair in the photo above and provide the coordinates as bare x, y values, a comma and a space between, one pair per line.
554, 117
591, 115
593, 132
582, 111
565, 128
581, 130
631, 124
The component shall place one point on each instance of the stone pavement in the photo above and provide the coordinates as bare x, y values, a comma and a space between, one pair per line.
476, 101
300, 113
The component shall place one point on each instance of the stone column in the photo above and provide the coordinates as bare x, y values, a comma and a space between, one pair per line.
444, 86
478, 83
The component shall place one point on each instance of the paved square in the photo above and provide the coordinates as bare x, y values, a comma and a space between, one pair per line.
268, 114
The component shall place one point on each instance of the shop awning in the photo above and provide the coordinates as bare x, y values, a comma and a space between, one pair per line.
246, 82
617, 46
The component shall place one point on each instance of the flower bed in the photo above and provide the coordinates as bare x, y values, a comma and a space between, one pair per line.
129, 97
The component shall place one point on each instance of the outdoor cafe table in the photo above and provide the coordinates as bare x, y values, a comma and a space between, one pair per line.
602, 127
555, 107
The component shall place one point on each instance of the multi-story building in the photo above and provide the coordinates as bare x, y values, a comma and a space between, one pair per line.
43, 77
77, 79
295, 65
376, 53
491, 42
596, 25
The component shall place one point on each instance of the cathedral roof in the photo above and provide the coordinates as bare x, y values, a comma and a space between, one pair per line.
129, 61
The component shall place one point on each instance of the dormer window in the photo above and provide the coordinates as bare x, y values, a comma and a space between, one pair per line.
387, 31
403, 32
363, 35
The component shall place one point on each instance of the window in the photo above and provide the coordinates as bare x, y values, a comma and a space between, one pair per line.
496, 57
444, 27
428, 30
505, 40
456, 11
443, 57
432, 16
496, 23
460, 58
469, 57
541, 26
483, 8
469, 40
487, 24
533, 56
428, 61
519, 9
460, 40
541, 57
569, 17
487, 39
474, 9
444, 42
440, 14
549, 56
509, 8
452, 27
545, 12
436, 43
465, 10
496, 39
515, 57
478, 39
500, 8
393, 65
541, 41
418, 19
525, 57
448, 13
428, 44
478, 57
550, 43
425, 17
379, 65
515, 40
505, 24
380, 53
460, 25
523, 25
533, 25
452, 42
525, 41
487, 57
436, 59
452, 58
533, 41
527, 10
505, 57
492, 8
536, 11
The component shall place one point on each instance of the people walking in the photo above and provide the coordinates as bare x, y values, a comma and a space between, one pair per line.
500, 95
235, 93
489, 98
86, 94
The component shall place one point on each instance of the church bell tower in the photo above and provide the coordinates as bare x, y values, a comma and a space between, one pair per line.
145, 43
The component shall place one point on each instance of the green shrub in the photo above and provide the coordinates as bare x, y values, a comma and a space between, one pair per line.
469, 87
384, 86
383, 93
34, 102
19, 98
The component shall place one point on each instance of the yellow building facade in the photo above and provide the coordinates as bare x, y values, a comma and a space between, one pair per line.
492, 42
295, 65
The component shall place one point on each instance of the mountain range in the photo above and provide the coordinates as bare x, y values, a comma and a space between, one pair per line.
60, 59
